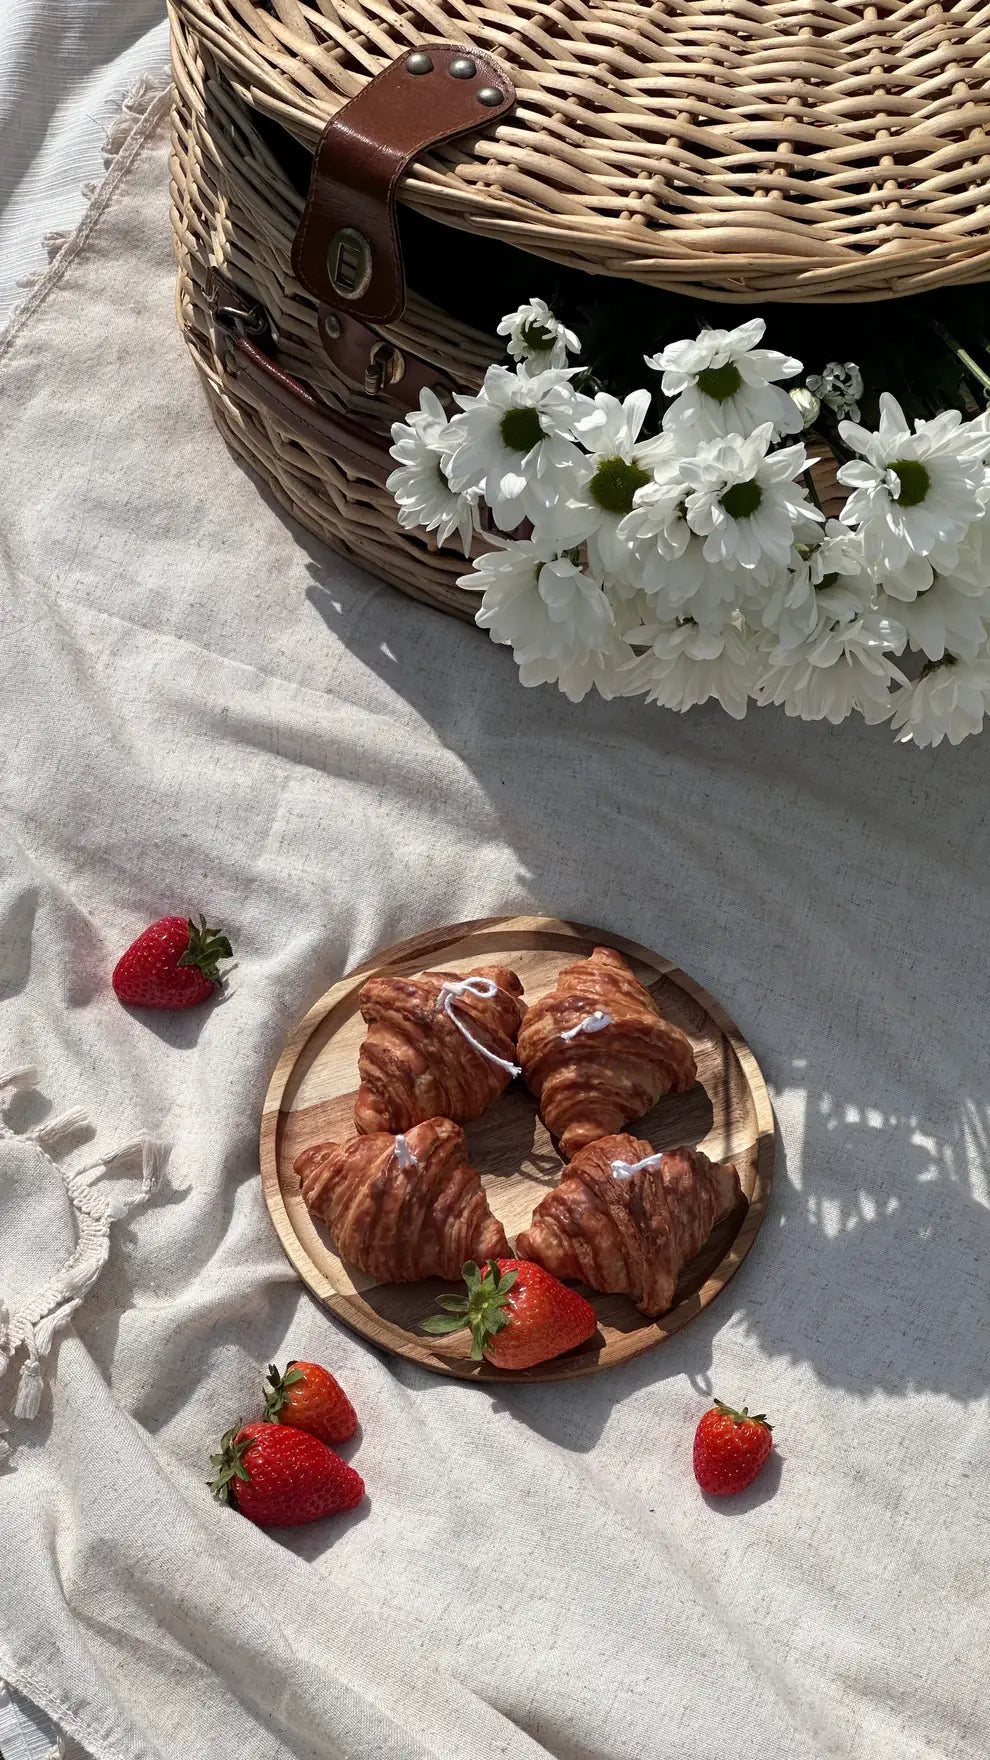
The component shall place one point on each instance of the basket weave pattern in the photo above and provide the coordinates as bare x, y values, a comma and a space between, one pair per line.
787, 150
233, 208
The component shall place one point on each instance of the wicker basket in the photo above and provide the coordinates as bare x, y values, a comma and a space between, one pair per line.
795, 150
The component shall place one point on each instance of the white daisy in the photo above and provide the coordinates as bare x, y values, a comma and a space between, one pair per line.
948, 701
951, 616
823, 584
554, 616
422, 492
972, 558
632, 610
669, 559
537, 338
615, 464
724, 384
744, 501
690, 586
915, 495
843, 667
685, 665
514, 441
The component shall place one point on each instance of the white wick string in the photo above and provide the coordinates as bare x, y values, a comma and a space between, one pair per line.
403, 1154
484, 989
625, 1169
592, 1023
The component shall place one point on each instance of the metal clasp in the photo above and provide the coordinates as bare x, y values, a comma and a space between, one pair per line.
235, 314
386, 366
349, 263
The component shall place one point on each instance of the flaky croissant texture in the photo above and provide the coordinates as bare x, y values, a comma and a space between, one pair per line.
402, 1208
417, 1060
597, 1052
625, 1228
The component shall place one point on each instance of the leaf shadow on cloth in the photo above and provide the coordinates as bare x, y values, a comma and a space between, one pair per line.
892, 1219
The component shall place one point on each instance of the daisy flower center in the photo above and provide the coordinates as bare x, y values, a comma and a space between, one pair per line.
914, 479
520, 429
743, 499
720, 382
615, 483
537, 338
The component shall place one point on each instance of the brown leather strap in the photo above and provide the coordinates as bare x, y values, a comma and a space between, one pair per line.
346, 252
366, 360
343, 439
346, 440
379, 368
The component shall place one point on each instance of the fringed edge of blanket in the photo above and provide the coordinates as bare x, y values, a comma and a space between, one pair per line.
34, 1327
142, 110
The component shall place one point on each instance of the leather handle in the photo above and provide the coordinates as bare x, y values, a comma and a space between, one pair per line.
364, 359
346, 252
345, 441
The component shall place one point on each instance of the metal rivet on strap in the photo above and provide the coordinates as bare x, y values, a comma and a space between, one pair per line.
349, 263
490, 96
462, 67
419, 62
331, 325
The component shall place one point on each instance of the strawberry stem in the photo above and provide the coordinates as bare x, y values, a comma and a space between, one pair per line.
743, 1417
229, 1464
206, 947
484, 1309
277, 1394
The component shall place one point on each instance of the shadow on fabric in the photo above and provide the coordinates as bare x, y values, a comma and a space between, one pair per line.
825, 884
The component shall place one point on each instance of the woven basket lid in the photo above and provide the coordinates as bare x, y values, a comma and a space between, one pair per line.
730, 149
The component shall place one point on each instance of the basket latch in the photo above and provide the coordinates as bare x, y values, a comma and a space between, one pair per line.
347, 252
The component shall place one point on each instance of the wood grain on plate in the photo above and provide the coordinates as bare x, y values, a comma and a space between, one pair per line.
312, 1093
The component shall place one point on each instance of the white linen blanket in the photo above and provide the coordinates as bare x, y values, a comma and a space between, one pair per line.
201, 708
65, 65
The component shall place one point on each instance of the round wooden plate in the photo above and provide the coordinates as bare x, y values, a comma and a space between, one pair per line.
312, 1094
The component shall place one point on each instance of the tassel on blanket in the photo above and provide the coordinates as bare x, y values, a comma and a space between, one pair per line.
55, 1132
36, 1324
25, 1077
154, 1156
28, 1398
14, 1081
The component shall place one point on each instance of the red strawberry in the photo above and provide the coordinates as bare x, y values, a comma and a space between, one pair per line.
518, 1314
279, 1477
172, 965
730, 1448
309, 1398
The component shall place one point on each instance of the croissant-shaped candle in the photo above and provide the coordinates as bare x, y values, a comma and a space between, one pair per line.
597, 1052
401, 1208
437, 1046
625, 1219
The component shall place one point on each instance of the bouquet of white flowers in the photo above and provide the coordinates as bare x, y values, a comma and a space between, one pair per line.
693, 561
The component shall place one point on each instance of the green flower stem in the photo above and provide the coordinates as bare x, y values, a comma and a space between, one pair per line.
809, 483
962, 354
